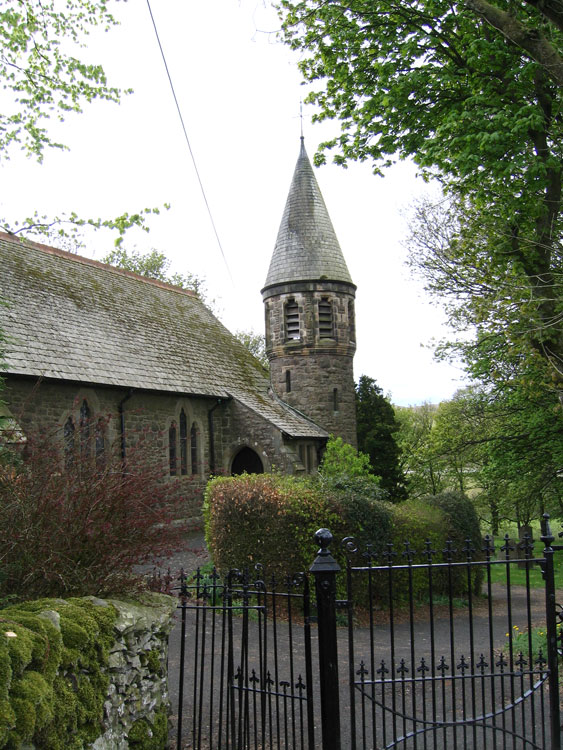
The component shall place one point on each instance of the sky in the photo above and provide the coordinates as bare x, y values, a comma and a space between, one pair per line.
239, 90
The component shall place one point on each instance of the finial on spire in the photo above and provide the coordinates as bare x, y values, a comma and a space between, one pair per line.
301, 118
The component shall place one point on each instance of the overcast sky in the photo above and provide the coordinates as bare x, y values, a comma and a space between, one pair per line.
239, 92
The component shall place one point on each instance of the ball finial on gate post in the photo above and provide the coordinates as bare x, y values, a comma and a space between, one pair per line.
323, 538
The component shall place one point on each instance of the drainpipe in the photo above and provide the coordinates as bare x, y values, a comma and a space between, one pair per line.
122, 423
212, 436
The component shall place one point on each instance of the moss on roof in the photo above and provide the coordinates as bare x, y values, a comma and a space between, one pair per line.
70, 318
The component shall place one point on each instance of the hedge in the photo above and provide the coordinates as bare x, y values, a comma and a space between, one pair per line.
272, 519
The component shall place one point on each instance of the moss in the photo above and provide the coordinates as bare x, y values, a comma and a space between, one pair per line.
7, 721
153, 662
56, 681
150, 735
46, 648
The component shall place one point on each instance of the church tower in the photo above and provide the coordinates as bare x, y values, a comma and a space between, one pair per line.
309, 301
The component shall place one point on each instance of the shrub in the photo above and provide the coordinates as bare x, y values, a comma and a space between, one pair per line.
264, 518
75, 526
343, 460
272, 520
416, 522
463, 524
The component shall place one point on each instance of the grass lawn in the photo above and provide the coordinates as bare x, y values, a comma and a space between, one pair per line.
518, 575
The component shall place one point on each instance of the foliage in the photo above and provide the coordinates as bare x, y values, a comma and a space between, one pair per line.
41, 77
77, 521
516, 325
362, 506
342, 459
414, 524
37, 704
45, 76
145, 735
256, 345
441, 84
270, 519
531, 642
377, 427
504, 447
422, 468
66, 230
463, 518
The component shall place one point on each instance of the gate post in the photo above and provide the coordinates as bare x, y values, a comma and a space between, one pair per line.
551, 628
325, 568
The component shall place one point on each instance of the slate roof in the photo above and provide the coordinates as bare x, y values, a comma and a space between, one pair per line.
75, 319
306, 248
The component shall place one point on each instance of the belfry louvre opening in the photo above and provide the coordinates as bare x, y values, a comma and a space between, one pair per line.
292, 320
325, 319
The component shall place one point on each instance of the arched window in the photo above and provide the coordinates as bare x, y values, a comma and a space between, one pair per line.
291, 321
100, 443
183, 443
68, 435
193, 448
326, 325
85, 430
172, 434
351, 321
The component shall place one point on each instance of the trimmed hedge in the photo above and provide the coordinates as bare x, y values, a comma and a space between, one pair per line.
272, 520
264, 518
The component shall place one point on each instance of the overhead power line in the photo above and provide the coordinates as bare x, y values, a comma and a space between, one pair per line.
188, 140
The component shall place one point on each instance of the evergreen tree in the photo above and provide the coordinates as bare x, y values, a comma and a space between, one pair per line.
377, 427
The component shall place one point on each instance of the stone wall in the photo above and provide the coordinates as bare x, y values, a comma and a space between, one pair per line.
137, 703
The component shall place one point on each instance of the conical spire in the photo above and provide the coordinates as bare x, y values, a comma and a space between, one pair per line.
306, 248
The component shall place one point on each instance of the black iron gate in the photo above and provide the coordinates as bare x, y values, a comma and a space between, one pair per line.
245, 675
446, 653
454, 656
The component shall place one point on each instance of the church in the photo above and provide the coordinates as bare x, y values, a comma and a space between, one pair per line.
97, 348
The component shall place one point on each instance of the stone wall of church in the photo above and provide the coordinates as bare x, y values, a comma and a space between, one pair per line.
47, 406
322, 386
243, 428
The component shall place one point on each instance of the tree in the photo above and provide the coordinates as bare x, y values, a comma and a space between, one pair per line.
45, 76
422, 467
41, 77
472, 92
155, 265
377, 428
341, 459
504, 449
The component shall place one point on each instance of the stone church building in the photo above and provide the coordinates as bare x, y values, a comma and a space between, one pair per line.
94, 347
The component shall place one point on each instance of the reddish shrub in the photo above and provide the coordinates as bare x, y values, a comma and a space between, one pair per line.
74, 521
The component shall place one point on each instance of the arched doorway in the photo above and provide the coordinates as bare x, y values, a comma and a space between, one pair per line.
247, 460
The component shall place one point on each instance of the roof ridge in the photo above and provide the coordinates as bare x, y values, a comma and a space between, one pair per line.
48, 249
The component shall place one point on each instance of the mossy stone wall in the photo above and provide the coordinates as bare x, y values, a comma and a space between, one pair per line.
85, 673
